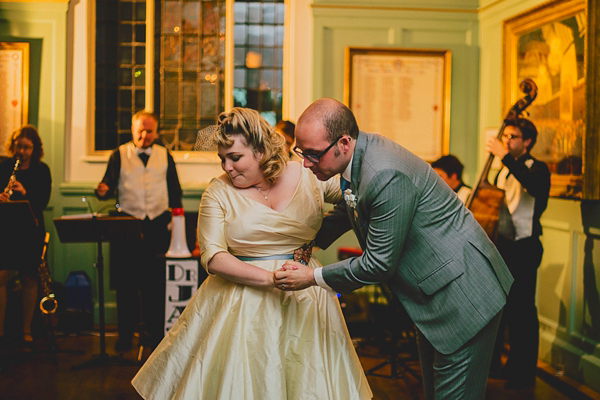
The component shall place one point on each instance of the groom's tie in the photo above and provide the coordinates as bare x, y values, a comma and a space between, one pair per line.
344, 184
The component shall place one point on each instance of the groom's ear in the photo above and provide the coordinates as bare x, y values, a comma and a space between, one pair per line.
345, 141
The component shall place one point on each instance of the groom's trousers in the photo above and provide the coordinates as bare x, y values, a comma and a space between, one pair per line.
462, 374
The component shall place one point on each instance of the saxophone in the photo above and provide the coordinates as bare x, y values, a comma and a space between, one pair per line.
48, 304
13, 177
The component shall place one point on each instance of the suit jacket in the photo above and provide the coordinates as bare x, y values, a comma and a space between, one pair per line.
419, 238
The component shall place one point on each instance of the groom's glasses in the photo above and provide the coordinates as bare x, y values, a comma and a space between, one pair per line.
315, 158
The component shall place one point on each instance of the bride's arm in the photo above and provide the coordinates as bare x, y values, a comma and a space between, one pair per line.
215, 257
231, 268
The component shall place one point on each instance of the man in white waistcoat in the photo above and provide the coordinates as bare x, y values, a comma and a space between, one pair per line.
144, 179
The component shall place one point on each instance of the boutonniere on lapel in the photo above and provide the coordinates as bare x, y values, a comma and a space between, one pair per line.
350, 198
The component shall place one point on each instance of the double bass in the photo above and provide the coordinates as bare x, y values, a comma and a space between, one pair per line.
487, 201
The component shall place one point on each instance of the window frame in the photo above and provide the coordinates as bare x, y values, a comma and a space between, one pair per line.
181, 156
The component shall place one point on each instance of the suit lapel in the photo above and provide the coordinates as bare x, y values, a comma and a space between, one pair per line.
359, 153
353, 213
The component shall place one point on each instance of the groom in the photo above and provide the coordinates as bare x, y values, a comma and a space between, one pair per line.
417, 236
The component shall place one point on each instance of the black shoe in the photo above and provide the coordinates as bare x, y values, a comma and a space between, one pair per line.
516, 384
123, 345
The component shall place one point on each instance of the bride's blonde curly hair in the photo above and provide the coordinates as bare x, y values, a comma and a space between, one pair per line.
258, 134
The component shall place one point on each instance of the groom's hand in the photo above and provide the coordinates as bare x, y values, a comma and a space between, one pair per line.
294, 276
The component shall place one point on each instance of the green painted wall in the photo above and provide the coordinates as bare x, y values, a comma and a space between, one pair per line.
405, 24
44, 26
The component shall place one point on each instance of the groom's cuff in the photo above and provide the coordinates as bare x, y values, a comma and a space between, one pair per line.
318, 273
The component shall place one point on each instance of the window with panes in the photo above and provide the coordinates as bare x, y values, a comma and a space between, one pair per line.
120, 69
258, 56
189, 65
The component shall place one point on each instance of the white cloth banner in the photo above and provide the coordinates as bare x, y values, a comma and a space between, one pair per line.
181, 284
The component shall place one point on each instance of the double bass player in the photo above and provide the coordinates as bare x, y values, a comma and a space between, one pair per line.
526, 182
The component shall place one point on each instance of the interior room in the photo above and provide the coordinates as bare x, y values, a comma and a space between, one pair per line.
438, 77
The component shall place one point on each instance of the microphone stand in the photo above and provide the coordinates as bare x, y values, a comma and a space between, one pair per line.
103, 358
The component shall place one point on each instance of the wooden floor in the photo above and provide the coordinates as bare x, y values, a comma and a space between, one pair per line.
31, 375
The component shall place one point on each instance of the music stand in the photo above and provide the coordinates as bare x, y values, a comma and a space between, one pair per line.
400, 328
98, 229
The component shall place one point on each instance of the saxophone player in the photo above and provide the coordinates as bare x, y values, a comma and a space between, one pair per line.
30, 181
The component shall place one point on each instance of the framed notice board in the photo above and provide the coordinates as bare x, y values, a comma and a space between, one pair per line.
14, 88
402, 94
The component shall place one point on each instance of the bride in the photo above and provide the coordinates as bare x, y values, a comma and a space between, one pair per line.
240, 337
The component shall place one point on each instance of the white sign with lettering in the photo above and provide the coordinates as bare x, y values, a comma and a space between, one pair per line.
182, 283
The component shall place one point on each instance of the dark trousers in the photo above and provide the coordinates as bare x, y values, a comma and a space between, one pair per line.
137, 274
462, 374
520, 317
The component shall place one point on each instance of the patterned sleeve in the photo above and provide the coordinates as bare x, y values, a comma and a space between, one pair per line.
211, 227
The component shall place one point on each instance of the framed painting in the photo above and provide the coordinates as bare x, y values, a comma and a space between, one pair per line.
14, 88
396, 92
548, 45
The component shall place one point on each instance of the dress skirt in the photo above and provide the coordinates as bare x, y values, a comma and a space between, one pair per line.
241, 342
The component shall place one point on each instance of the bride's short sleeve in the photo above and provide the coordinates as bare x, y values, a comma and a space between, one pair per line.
211, 228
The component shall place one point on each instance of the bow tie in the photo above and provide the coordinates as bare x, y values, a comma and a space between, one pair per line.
147, 151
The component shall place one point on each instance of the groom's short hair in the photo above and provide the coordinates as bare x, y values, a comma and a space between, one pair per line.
339, 121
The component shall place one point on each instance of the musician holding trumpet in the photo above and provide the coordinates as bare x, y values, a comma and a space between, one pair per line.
25, 177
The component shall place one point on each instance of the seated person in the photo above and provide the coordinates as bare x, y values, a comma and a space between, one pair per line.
450, 169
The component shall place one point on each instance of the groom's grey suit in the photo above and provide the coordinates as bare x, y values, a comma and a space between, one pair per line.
419, 238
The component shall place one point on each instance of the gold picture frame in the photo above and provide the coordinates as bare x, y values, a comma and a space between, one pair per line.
548, 45
397, 92
14, 89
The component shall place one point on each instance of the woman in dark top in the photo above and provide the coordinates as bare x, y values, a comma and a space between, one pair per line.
33, 183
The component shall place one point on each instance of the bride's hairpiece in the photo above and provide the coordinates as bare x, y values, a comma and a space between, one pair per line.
205, 139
